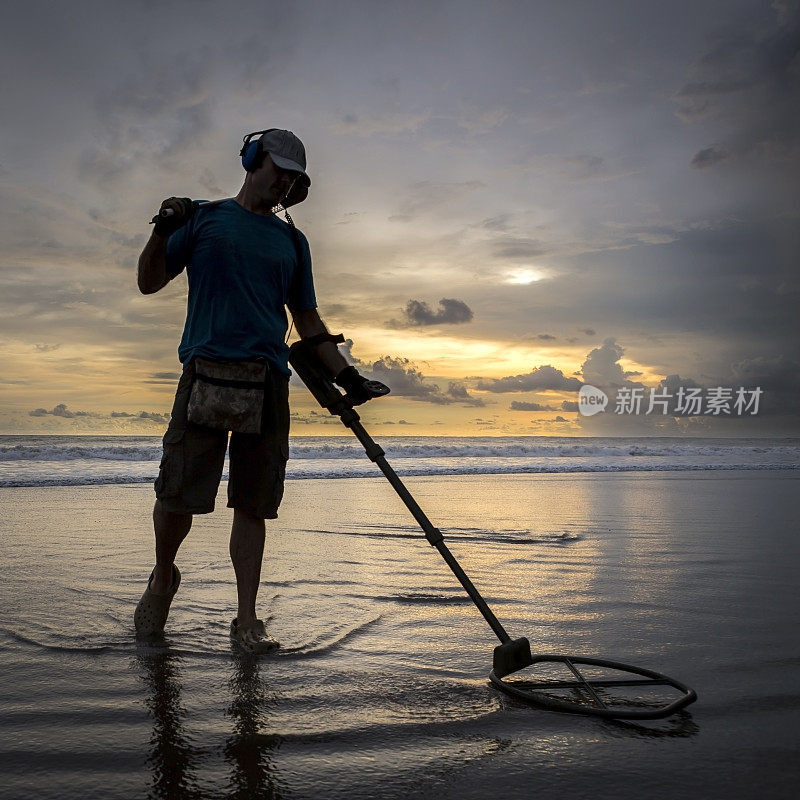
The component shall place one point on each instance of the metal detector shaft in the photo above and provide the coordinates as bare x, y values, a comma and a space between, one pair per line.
304, 359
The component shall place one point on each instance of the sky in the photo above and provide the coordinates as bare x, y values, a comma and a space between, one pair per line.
509, 200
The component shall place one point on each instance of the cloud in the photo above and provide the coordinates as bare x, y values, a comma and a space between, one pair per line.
546, 337
387, 123
498, 223
518, 405
149, 416
405, 379
583, 167
164, 377
709, 156
427, 196
458, 391
509, 247
538, 379
570, 405
450, 311
601, 367
314, 418
61, 410
209, 182
148, 118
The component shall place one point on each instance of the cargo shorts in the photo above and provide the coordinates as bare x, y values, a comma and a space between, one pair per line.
191, 466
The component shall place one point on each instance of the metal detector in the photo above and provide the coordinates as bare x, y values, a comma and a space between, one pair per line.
593, 686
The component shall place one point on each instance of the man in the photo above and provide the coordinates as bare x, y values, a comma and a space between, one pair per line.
244, 265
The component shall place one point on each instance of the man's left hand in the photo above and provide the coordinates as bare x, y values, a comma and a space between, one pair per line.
358, 388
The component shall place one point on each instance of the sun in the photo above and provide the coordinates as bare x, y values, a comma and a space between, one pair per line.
524, 275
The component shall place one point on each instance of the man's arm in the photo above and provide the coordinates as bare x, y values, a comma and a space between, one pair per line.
152, 274
309, 323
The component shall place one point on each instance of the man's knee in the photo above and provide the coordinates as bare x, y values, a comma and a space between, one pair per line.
170, 519
241, 516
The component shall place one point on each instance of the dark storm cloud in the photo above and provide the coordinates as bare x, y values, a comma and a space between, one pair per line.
539, 379
779, 374
750, 82
778, 378
718, 278
450, 311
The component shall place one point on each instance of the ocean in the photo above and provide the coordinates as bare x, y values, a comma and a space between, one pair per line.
93, 460
674, 555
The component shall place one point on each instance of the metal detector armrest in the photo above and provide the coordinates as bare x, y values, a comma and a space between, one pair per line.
303, 357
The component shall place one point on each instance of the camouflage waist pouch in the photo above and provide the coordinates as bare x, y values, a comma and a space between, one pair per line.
228, 395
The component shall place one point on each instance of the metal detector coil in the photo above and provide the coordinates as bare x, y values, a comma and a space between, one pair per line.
583, 692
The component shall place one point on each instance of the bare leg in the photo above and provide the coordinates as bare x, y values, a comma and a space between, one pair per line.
171, 529
247, 551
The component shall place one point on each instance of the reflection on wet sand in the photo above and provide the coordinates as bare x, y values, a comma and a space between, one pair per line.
247, 751
175, 760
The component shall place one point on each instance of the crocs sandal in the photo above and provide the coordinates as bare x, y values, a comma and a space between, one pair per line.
152, 610
253, 637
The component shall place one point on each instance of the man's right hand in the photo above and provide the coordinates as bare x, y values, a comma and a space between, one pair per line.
182, 210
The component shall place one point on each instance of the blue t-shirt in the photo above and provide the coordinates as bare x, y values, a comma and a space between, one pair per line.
243, 271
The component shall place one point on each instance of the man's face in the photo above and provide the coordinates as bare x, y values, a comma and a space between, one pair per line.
272, 182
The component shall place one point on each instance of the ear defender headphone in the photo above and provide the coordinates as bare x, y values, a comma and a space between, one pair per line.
253, 155
251, 152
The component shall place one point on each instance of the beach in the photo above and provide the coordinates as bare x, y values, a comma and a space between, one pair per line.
380, 688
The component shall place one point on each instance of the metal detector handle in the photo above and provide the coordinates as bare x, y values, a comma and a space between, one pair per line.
170, 212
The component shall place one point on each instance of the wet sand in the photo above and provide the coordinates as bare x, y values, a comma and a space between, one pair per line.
381, 687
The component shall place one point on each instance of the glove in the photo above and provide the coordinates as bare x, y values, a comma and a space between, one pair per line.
358, 388
182, 210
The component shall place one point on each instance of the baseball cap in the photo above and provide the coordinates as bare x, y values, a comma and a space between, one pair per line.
286, 151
